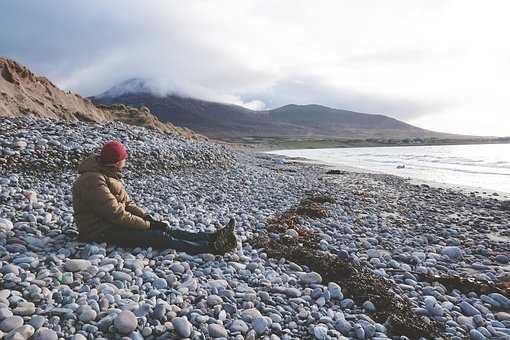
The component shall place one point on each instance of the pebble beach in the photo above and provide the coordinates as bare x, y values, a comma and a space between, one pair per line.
53, 287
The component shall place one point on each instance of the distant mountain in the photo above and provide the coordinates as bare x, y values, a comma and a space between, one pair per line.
225, 121
133, 85
24, 93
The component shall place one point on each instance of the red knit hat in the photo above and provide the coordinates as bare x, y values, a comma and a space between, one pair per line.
112, 152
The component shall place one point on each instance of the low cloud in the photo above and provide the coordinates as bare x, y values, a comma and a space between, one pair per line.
385, 57
306, 90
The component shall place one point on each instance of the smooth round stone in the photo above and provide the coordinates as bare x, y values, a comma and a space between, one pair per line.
320, 332
293, 266
476, 335
21, 144
16, 248
45, 334
432, 306
217, 331
359, 331
276, 327
250, 314
468, 309
21, 333
177, 268
213, 300
5, 313
202, 319
293, 292
218, 284
275, 317
10, 323
310, 278
5, 225
321, 301
76, 265
373, 253
90, 328
502, 316
88, 315
335, 291
182, 326
500, 299
121, 276
503, 259
5, 293
160, 283
429, 290
125, 322
369, 306
208, 257
239, 326
222, 315
37, 321
146, 332
107, 267
265, 296
10, 268
24, 309
30, 218
466, 321
260, 325
343, 326
452, 252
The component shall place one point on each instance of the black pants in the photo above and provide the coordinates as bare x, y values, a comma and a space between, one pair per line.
180, 240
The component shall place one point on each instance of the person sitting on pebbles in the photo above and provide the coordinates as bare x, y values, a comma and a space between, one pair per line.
104, 212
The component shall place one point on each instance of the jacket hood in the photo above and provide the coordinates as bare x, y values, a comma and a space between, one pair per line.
92, 164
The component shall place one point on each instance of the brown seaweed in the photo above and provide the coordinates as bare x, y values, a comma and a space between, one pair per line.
359, 282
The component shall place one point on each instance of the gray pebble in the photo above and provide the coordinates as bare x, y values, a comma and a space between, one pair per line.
182, 327
125, 322
217, 331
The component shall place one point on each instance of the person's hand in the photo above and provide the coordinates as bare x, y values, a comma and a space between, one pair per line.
158, 225
148, 217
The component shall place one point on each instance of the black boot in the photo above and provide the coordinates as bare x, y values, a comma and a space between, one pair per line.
224, 239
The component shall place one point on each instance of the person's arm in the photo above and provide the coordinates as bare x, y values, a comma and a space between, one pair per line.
134, 209
104, 204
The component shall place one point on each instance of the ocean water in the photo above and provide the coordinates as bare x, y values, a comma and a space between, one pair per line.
484, 167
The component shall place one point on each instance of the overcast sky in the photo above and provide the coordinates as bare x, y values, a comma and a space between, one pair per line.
442, 65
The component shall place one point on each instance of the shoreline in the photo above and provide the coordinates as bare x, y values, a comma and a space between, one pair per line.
464, 189
332, 144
